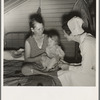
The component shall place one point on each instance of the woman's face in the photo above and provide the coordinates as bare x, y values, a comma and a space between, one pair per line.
68, 37
38, 28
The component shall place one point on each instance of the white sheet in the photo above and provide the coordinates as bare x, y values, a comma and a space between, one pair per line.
9, 56
75, 76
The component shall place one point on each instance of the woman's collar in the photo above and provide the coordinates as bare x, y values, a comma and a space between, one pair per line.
82, 37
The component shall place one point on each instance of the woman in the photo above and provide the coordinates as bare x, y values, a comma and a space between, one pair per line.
36, 43
85, 74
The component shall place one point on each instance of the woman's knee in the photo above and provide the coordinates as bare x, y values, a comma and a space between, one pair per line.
27, 70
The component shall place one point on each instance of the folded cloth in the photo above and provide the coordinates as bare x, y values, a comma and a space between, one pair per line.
17, 54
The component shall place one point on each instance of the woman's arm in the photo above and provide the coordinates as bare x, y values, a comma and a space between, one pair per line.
88, 56
28, 58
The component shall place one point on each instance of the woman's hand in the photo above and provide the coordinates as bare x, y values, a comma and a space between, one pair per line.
64, 66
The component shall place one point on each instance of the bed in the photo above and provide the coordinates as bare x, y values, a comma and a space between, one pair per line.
13, 60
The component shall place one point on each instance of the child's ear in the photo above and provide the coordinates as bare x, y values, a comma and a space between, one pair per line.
32, 29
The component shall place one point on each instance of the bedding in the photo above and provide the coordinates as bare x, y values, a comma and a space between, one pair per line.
14, 55
14, 77
13, 61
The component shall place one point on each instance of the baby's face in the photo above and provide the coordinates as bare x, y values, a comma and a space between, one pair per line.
51, 42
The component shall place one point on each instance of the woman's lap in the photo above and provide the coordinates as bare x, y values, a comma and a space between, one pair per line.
75, 78
27, 70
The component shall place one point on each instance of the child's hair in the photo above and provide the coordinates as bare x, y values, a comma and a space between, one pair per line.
54, 35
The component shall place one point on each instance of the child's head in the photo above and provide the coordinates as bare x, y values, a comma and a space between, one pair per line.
53, 37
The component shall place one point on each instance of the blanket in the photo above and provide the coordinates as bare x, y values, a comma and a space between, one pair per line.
14, 77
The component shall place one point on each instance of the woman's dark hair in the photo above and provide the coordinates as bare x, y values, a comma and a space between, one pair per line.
66, 28
35, 17
66, 18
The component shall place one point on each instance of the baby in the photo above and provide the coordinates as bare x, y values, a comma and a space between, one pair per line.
54, 54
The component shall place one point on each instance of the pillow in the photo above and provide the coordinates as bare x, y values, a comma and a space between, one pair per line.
14, 54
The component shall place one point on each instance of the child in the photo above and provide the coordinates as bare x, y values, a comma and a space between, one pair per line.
54, 54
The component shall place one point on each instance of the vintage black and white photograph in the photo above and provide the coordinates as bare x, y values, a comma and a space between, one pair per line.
49, 43
49, 49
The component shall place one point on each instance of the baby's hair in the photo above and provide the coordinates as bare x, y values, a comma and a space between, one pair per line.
54, 35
